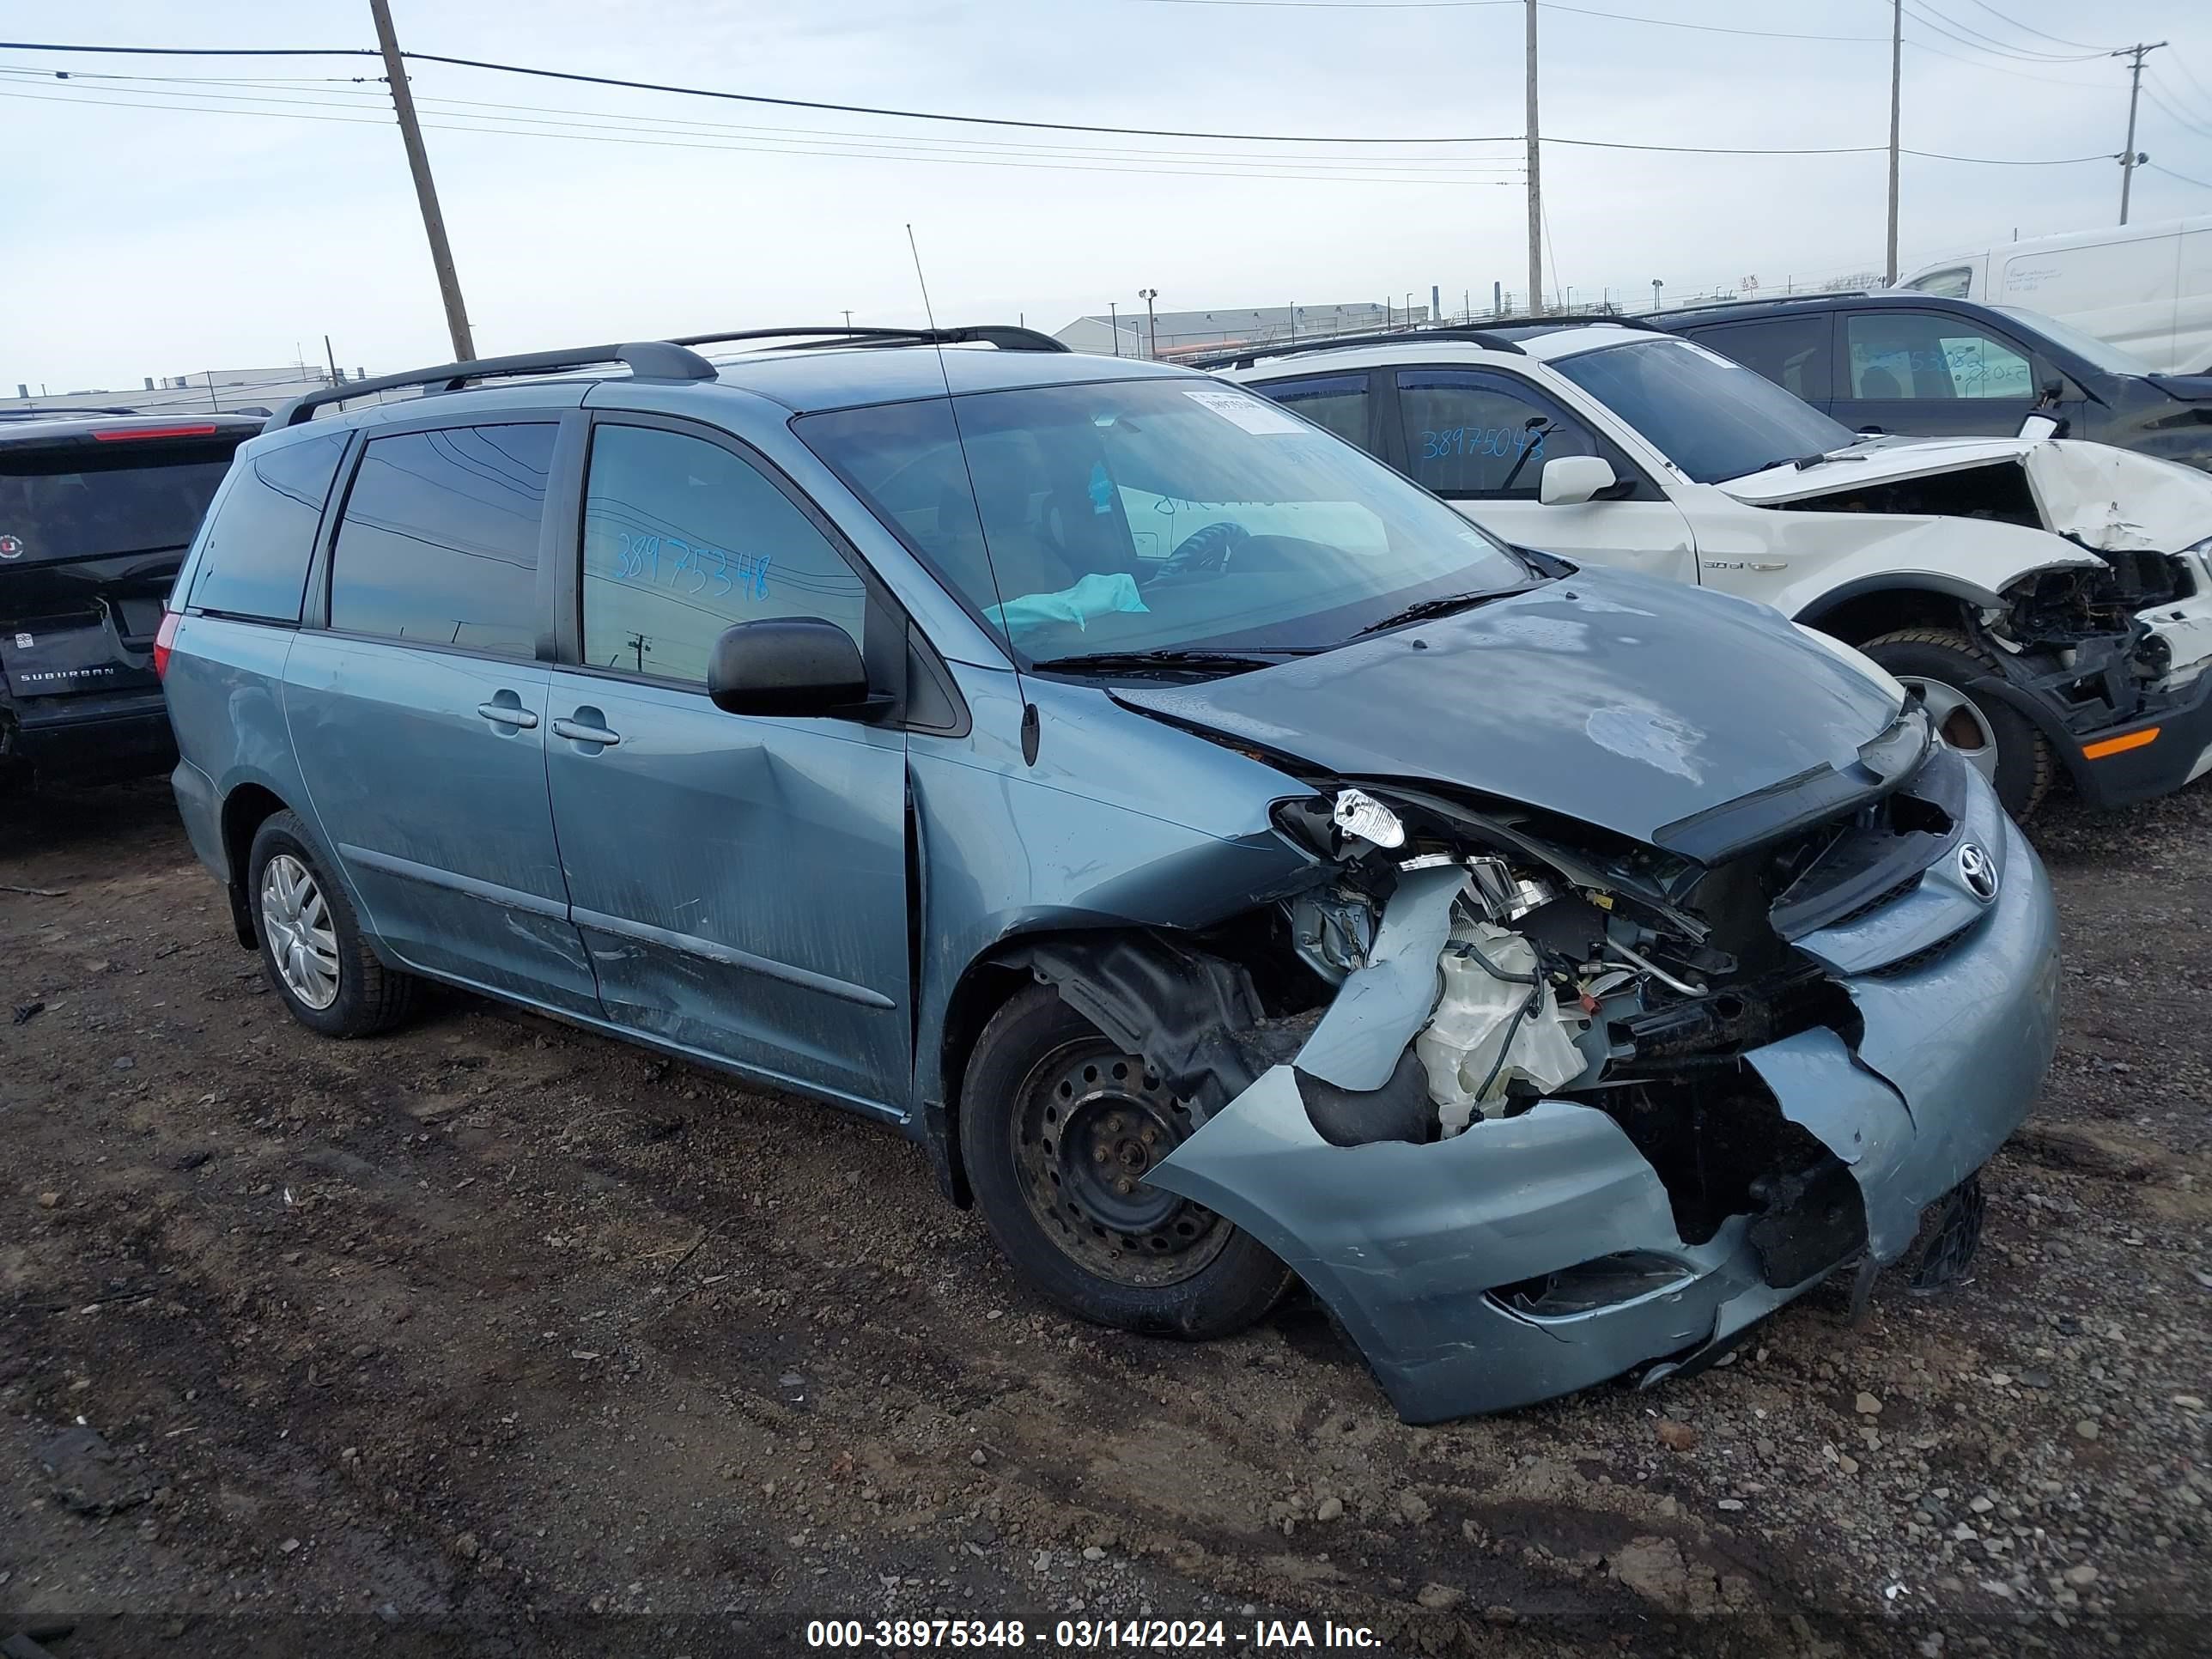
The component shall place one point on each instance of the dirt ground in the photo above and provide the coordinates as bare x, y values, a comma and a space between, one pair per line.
491, 1336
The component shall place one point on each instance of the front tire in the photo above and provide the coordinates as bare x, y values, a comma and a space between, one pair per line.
1997, 740
311, 946
1057, 1129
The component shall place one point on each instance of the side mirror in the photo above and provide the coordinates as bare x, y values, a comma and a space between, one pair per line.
787, 666
2039, 426
1572, 479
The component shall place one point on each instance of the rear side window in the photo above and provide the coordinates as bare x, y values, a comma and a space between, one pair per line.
1921, 356
1790, 351
1953, 283
439, 541
254, 561
1338, 402
84, 501
682, 538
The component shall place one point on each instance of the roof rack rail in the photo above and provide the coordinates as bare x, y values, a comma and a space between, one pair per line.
1577, 320
648, 360
1767, 300
1245, 356
1005, 338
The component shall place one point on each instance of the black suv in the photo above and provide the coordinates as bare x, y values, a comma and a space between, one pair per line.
1919, 363
96, 511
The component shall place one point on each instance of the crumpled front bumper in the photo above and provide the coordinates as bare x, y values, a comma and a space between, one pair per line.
1406, 1243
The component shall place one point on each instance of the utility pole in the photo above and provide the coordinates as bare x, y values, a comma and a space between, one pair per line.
2129, 160
425, 192
1152, 323
1535, 181
1113, 316
1896, 108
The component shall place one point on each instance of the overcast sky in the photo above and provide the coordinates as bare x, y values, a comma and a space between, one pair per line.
161, 241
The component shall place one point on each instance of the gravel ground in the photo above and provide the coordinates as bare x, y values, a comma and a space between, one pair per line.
491, 1336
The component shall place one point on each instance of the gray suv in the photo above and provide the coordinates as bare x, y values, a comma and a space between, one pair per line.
1232, 865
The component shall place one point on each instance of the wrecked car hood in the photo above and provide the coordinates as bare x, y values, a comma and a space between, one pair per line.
1882, 462
1621, 701
2106, 497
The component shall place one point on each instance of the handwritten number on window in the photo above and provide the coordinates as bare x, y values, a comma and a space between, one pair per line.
1502, 441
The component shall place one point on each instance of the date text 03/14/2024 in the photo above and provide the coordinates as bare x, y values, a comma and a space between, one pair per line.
1091, 1635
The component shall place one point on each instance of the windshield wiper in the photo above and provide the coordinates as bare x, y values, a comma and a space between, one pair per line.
1171, 660
1443, 606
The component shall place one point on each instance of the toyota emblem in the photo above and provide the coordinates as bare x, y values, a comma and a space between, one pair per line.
1978, 871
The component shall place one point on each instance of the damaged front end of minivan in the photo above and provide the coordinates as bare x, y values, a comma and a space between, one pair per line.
1529, 1104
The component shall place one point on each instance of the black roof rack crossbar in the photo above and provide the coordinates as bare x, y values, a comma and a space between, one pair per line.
1577, 320
1245, 356
1005, 337
657, 360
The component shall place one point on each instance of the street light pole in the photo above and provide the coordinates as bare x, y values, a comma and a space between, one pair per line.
1535, 181
1114, 317
1896, 106
1655, 286
1152, 323
426, 191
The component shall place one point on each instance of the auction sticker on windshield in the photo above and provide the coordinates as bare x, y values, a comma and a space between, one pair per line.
1261, 419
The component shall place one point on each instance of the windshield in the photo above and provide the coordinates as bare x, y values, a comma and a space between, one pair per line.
64, 504
1712, 418
2102, 354
1152, 515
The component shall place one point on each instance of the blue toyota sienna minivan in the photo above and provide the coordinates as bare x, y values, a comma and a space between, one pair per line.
1232, 865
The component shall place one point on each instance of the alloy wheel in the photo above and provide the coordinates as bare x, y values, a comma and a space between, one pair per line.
296, 920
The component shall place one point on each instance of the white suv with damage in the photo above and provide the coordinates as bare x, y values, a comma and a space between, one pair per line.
2050, 601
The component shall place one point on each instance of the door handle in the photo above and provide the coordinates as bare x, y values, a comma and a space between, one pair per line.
584, 732
508, 714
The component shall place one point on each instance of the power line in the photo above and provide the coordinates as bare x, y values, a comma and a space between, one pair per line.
2197, 86
466, 109
2031, 28
781, 103
2197, 127
1541, 5
890, 154
2152, 167
1969, 35
1051, 126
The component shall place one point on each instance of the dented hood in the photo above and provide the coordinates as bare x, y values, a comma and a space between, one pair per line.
1884, 461
2105, 497
1623, 702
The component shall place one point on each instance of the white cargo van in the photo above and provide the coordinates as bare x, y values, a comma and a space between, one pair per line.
2146, 289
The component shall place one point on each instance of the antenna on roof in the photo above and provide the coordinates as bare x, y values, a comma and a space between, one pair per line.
1029, 724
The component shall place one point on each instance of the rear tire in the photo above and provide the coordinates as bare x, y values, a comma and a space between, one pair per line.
311, 946
1055, 1121
1997, 738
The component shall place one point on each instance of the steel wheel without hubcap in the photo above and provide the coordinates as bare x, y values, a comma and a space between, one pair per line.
296, 922
1092, 1124
1959, 722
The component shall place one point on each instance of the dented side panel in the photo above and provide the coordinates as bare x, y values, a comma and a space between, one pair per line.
1121, 822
